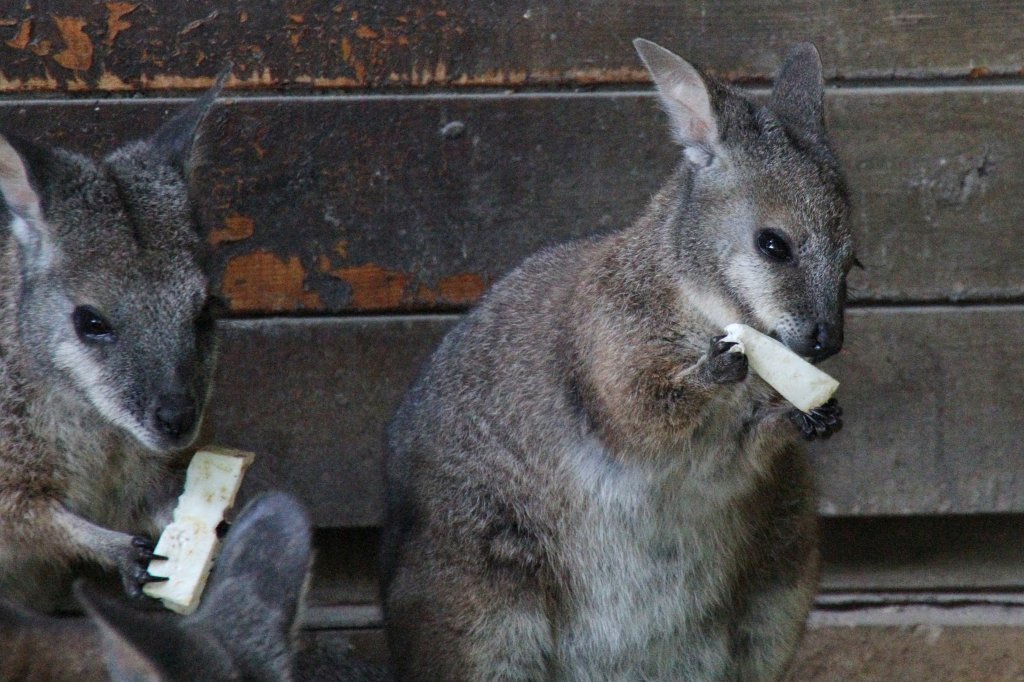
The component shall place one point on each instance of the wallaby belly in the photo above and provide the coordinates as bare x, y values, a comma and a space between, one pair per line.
652, 561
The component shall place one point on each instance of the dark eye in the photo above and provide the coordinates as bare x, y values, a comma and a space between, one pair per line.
91, 326
774, 246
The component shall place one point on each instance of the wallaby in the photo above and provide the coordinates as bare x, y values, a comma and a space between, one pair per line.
244, 629
105, 356
584, 483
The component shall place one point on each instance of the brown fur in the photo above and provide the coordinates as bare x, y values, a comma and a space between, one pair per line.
584, 484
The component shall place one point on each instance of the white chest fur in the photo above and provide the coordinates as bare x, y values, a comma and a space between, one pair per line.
651, 558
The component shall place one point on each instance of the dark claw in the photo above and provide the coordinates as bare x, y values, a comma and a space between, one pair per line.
821, 422
222, 529
147, 578
725, 367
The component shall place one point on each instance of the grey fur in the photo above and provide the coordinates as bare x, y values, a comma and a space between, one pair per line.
583, 484
244, 629
89, 429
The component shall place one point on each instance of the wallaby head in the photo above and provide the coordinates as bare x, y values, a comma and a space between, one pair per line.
759, 218
108, 273
245, 627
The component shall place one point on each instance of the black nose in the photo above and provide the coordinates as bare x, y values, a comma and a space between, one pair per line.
175, 415
827, 339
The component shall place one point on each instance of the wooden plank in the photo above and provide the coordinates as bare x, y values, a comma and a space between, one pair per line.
397, 204
126, 45
927, 431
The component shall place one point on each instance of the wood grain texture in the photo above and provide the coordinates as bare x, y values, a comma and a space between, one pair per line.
398, 204
925, 430
81, 45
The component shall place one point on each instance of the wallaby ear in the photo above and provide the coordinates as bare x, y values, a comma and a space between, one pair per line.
20, 165
175, 140
684, 94
145, 646
799, 92
257, 584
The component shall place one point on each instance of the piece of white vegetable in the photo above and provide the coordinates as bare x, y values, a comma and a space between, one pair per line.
797, 380
190, 541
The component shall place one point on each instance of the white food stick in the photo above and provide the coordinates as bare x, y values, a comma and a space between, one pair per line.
190, 541
797, 380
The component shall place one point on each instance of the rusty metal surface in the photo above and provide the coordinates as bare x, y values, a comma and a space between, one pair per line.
82, 45
370, 204
925, 432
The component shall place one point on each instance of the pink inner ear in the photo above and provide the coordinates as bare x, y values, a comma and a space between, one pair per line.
14, 183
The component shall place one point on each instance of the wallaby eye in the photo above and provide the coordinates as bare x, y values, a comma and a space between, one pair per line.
92, 327
774, 246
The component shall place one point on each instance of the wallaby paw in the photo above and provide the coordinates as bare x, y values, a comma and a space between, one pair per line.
723, 365
821, 422
132, 566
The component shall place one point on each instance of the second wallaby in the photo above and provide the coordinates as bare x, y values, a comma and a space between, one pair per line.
585, 483
106, 352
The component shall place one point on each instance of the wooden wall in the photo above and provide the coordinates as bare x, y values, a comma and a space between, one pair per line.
375, 166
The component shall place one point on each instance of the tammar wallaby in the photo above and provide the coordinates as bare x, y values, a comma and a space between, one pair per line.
584, 484
244, 629
106, 352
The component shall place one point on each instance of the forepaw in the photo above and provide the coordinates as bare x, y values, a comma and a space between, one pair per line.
132, 566
821, 422
725, 366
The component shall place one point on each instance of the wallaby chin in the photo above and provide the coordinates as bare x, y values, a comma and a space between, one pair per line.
585, 482
108, 339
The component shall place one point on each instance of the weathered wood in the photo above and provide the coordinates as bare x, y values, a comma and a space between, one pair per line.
129, 45
931, 397
348, 204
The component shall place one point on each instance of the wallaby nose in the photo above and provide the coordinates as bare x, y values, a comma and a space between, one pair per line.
175, 414
827, 338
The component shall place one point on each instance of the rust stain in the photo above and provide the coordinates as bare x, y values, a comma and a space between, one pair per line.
77, 56
262, 281
297, 18
366, 33
117, 11
980, 72
243, 17
20, 41
460, 289
373, 287
378, 288
346, 49
236, 228
27, 84
112, 82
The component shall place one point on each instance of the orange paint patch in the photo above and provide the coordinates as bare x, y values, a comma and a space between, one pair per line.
373, 287
366, 33
236, 228
20, 41
77, 56
115, 19
260, 281
461, 289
